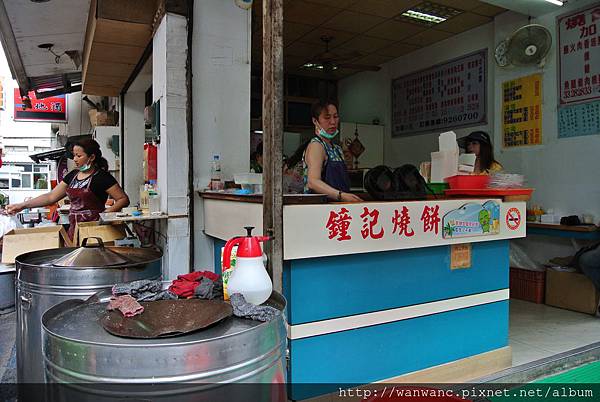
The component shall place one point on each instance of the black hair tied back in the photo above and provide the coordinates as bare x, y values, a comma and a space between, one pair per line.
91, 147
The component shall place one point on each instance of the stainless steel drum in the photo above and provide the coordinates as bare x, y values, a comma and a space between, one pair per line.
41, 284
77, 350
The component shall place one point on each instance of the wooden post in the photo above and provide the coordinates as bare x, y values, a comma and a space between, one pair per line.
272, 121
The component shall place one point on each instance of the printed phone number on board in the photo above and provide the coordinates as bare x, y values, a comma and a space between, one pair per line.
460, 117
578, 92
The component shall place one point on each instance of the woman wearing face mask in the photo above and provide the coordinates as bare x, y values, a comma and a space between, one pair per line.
323, 161
88, 187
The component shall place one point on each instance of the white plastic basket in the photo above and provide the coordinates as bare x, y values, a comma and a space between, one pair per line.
247, 178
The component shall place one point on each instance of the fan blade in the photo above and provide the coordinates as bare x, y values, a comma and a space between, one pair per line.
334, 57
363, 67
348, 56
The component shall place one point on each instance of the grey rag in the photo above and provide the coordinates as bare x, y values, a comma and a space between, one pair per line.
144, 290
208, 289
243, 309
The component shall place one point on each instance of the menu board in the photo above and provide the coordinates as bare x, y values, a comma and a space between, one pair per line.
442, 97
522, 111
578, 120
579, 55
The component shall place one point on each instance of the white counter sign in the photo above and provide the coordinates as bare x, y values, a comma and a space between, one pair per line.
336, 229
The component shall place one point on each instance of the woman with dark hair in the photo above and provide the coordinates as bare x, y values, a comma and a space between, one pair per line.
478, 143
256, 159
324, 167
88, 187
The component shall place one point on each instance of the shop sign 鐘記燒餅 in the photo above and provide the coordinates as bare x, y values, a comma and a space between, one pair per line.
358, 228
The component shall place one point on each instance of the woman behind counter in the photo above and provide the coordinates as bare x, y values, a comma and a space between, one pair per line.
479, 143
88, 187
324, 167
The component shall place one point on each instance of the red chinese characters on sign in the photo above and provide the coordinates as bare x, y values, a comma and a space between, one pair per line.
338, 225
401, 221
370, 220
431, 219
339, 222
576, 21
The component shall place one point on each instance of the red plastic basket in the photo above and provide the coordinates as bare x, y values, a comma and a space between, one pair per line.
527, 285
474, 181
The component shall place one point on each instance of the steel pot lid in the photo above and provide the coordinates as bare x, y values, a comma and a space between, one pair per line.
93, 255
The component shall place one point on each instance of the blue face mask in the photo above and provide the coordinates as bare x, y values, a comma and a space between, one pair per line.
325, 134
85, 168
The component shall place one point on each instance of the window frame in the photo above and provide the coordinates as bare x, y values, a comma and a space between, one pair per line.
29, 170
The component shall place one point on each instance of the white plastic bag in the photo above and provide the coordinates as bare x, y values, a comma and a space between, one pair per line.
8, 223
520, 259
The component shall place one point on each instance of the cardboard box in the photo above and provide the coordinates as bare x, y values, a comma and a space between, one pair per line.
571, 291
97, 118
108, 233
21, 241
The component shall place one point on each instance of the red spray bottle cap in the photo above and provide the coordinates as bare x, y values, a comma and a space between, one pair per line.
248, 247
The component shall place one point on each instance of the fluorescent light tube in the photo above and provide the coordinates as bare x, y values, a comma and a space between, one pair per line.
417, 15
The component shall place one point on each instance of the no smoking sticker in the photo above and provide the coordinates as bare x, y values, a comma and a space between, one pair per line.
513, 218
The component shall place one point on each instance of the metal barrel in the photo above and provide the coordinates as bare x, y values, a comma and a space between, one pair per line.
41, 286
233, 351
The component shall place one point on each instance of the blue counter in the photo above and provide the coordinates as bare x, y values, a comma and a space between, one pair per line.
371, 316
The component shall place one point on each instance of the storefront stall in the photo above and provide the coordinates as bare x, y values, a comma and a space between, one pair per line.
380, 290
406, 291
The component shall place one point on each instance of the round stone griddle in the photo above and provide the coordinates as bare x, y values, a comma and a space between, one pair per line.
167, 318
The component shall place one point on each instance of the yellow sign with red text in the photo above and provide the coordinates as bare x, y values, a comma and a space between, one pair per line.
522, 111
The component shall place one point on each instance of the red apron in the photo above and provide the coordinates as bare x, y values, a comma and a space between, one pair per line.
85, 205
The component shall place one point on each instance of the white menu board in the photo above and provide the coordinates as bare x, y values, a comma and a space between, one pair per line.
449, 95
579, 55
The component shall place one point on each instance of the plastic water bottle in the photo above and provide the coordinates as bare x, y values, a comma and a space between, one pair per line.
216, 182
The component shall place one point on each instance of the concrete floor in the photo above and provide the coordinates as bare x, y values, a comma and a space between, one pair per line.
8, 361
537, 331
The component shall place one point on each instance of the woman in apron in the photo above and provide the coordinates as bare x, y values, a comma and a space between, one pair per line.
88, 187
324, 167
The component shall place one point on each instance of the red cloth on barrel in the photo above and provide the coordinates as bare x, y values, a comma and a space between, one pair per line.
197, 275
185, 285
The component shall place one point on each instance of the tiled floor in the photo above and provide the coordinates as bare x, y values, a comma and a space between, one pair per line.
538, 331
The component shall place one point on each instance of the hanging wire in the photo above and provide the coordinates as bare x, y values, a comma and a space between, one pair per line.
56, 56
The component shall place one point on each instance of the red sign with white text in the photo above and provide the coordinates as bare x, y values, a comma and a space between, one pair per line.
47, 110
